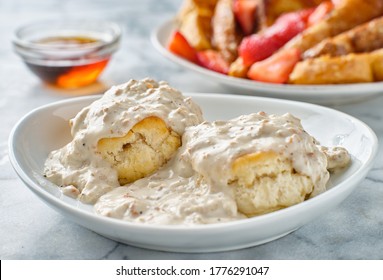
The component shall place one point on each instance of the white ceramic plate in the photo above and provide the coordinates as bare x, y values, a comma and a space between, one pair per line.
320, 94
46, 128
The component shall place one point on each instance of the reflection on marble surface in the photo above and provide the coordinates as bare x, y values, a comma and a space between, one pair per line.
32, 230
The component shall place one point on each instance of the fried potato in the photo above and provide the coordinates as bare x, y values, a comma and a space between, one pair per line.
274, 8
367, 37
194, 21
351, 68
347, 15
238, 69
224, 30
377, 65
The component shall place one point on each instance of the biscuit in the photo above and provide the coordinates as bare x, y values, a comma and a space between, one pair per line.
267, 162
142, 151
264, 182
130, 132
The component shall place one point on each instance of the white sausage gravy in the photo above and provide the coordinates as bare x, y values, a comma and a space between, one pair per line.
193, 187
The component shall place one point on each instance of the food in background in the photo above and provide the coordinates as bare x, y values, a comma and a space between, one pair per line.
246, 36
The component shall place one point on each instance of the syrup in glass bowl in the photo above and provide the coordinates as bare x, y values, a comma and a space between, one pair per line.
67, 54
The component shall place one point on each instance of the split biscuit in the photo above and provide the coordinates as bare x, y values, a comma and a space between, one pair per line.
265, 181
142, 151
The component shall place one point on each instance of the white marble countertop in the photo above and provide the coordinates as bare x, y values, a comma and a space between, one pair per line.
31, 230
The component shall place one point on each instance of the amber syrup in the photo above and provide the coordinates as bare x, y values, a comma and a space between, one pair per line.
74, 76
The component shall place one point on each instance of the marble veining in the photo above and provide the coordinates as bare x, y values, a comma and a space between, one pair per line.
32, 230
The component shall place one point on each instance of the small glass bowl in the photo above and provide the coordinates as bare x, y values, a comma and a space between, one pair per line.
68, 53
